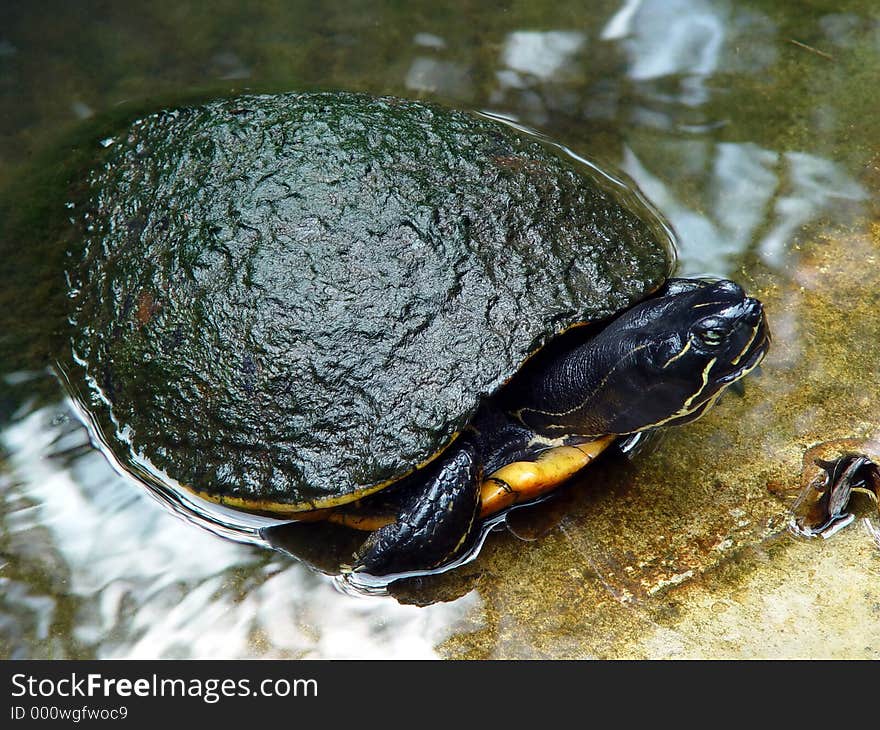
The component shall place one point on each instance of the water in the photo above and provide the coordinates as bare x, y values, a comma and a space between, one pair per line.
751, 126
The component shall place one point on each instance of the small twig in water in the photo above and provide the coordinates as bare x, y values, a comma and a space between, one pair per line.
824, 55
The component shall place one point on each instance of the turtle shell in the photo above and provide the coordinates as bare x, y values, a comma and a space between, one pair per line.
287, 302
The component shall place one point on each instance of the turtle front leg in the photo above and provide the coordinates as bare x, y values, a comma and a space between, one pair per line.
436, 525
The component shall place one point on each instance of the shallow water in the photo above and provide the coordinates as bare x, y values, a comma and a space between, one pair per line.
753, 128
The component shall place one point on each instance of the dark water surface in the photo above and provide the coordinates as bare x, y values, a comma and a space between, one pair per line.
751, 125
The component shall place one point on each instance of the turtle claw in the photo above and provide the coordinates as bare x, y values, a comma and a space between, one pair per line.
641, 442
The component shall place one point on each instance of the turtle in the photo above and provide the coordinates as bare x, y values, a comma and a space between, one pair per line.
380, 312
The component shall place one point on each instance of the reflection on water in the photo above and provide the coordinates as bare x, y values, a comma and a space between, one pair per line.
753, 200
544, 55
689, 40
129, 580
739, 137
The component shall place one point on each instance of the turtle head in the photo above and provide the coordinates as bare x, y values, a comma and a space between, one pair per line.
670, 357
722, 335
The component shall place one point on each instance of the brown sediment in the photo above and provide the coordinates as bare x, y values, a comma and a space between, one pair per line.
146, 308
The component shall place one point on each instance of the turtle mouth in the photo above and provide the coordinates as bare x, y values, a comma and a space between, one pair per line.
752, 354
756, 355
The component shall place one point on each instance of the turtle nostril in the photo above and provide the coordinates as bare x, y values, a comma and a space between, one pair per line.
726, 286
753, 311
747, 312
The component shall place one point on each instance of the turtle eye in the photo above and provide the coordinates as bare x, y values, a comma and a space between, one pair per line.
712, 337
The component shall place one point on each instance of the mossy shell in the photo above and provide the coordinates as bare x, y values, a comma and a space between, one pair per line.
287, 302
